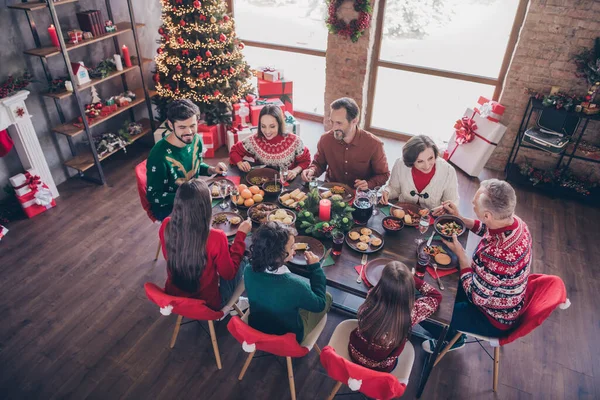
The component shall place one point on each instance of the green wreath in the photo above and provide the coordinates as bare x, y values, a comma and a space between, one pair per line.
355, 28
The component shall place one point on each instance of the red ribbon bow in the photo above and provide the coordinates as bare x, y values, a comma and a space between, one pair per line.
465, 130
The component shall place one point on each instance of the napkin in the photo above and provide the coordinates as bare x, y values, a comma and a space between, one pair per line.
364, 277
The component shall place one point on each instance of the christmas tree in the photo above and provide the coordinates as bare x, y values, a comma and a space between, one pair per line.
199, 58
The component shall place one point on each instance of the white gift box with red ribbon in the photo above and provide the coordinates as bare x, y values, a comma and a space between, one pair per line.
25, 182
492, 110
235, 135
473, 142
34, 195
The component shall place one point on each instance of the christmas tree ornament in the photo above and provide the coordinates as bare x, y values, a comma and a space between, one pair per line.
222, 37
161, 31
226, 18
159, 50
95, 98
197, 42
188, 72
156, 77
231, 70
182, 22
213, 20
197, 4
198, 58
241, 45
180, 40
208, 54
216, 93
185, 52
178, 67
214, 71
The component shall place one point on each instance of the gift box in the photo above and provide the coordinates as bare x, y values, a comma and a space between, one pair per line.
213, 137
25, 182
492, 110
208, 145
37, 201
260, 103
75, 36
3, 231
473, 142
269, 74
282, 90
241, 112
235, 135
291, 124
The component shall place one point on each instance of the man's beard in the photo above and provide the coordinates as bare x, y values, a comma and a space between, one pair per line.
186, 139
339, 134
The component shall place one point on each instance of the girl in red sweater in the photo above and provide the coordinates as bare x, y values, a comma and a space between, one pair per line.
271, 145
199, 262
387, 315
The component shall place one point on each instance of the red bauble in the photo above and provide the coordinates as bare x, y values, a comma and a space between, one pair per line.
161, 31
197, 4
225, 18
159, 50
180, 40
231, 70
168, 86
223, 72
185, 52
174, 9
178, 67
241, 45
198, 58
98, 106
202, 18
208, 53
222, 37
205, 97
588, 97
182, 22
156, 78
250, 99
216, 93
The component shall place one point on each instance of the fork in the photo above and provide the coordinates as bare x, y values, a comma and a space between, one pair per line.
362, 267
434, 265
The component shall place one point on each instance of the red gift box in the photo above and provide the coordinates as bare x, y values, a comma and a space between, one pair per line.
243, 117
282, 90
260, 103
37, 201
213, 137
489, 109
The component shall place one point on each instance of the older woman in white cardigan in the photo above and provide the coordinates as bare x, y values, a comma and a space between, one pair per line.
421, 177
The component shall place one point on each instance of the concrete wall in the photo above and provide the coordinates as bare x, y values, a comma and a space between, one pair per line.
17, 37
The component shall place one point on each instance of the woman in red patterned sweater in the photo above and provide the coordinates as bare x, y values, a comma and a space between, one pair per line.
387, 315
272, 145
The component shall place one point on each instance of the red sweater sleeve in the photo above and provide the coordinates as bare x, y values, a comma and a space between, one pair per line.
426, 305
302, 160
237, 153
228, 260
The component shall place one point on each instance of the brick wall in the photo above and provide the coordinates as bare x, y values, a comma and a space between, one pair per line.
552, 33
347, 68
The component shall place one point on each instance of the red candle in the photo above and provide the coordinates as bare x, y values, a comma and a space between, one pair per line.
325, 210
53, 36
126, 58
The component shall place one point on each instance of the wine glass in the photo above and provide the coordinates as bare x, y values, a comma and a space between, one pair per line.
223, 191
423, 227
233, 196
374, 196
283, 174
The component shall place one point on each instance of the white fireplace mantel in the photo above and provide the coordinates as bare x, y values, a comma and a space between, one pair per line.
14, 112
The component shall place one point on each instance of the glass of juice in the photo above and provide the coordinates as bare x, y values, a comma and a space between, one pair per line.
422, 262
338, 242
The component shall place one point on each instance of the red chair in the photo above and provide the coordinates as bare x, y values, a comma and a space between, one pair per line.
186, 307
279, 345
140, 176
379, 385
544, 294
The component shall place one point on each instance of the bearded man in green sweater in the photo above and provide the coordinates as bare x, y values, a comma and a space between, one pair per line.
176, 158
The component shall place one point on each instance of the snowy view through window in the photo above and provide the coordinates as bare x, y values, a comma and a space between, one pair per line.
467, 37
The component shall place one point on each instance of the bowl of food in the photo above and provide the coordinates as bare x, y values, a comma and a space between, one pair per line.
448, 225
260, 176
271, 188
392, 224
286, 217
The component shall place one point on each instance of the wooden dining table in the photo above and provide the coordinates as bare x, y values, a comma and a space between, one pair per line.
400, 246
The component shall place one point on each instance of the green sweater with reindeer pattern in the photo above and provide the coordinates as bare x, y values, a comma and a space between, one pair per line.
167, 167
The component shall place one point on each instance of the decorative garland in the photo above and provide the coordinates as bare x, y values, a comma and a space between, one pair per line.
13, 84
355, 29
555, 177
558, 100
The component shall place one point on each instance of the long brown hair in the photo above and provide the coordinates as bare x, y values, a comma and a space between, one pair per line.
187, 233
385, 317
275, 112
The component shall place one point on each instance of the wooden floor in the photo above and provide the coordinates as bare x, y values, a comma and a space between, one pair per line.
75, 323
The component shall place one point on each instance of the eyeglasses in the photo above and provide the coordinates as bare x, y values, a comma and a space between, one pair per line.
424, 195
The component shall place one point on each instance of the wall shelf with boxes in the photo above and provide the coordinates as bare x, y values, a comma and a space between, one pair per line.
97, 31
567, 148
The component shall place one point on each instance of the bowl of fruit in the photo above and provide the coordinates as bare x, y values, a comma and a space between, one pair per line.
248, 196
392, 224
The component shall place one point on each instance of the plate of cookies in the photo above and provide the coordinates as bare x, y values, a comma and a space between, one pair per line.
364, 240
228, 222
291, 198
304, 244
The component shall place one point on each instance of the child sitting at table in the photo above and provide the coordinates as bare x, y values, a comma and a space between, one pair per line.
281, 302
387, 315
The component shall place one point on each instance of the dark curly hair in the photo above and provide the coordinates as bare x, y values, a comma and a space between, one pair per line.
267, 251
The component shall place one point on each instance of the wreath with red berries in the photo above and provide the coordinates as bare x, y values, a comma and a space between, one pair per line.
355, 28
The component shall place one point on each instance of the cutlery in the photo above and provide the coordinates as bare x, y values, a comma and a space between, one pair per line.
362, 267
394, 206
259, 166
325, 257
434, 265
430, 239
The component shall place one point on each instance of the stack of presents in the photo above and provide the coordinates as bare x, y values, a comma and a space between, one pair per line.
33, 194
272, 88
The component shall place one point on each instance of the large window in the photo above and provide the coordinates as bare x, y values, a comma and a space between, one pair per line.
290, 35
435, 58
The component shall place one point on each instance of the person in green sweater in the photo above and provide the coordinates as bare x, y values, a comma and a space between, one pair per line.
176, 158
281, 302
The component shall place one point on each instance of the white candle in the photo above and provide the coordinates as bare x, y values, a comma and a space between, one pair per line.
118, 62
68, 86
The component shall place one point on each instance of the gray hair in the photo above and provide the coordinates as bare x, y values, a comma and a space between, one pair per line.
498, 197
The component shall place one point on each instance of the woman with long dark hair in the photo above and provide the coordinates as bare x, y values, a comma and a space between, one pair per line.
199, 262
272, 145
387, 315
281, 302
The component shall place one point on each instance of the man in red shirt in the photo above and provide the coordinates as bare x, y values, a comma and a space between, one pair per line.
347, 153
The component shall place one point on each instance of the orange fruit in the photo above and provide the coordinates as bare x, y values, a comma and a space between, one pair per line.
249, 202
254, 189
257, 198
262, 193
239, 201
246, 194
242, 187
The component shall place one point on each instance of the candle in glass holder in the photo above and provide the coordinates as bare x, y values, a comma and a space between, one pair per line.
325, 210
53, 36
126, 57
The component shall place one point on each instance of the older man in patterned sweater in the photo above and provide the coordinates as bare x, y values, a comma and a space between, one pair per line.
494, 281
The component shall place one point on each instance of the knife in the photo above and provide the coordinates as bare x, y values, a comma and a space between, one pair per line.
259, 166
430, 239
325, 257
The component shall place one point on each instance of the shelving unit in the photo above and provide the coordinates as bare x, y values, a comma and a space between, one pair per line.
571, 152
71, 129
